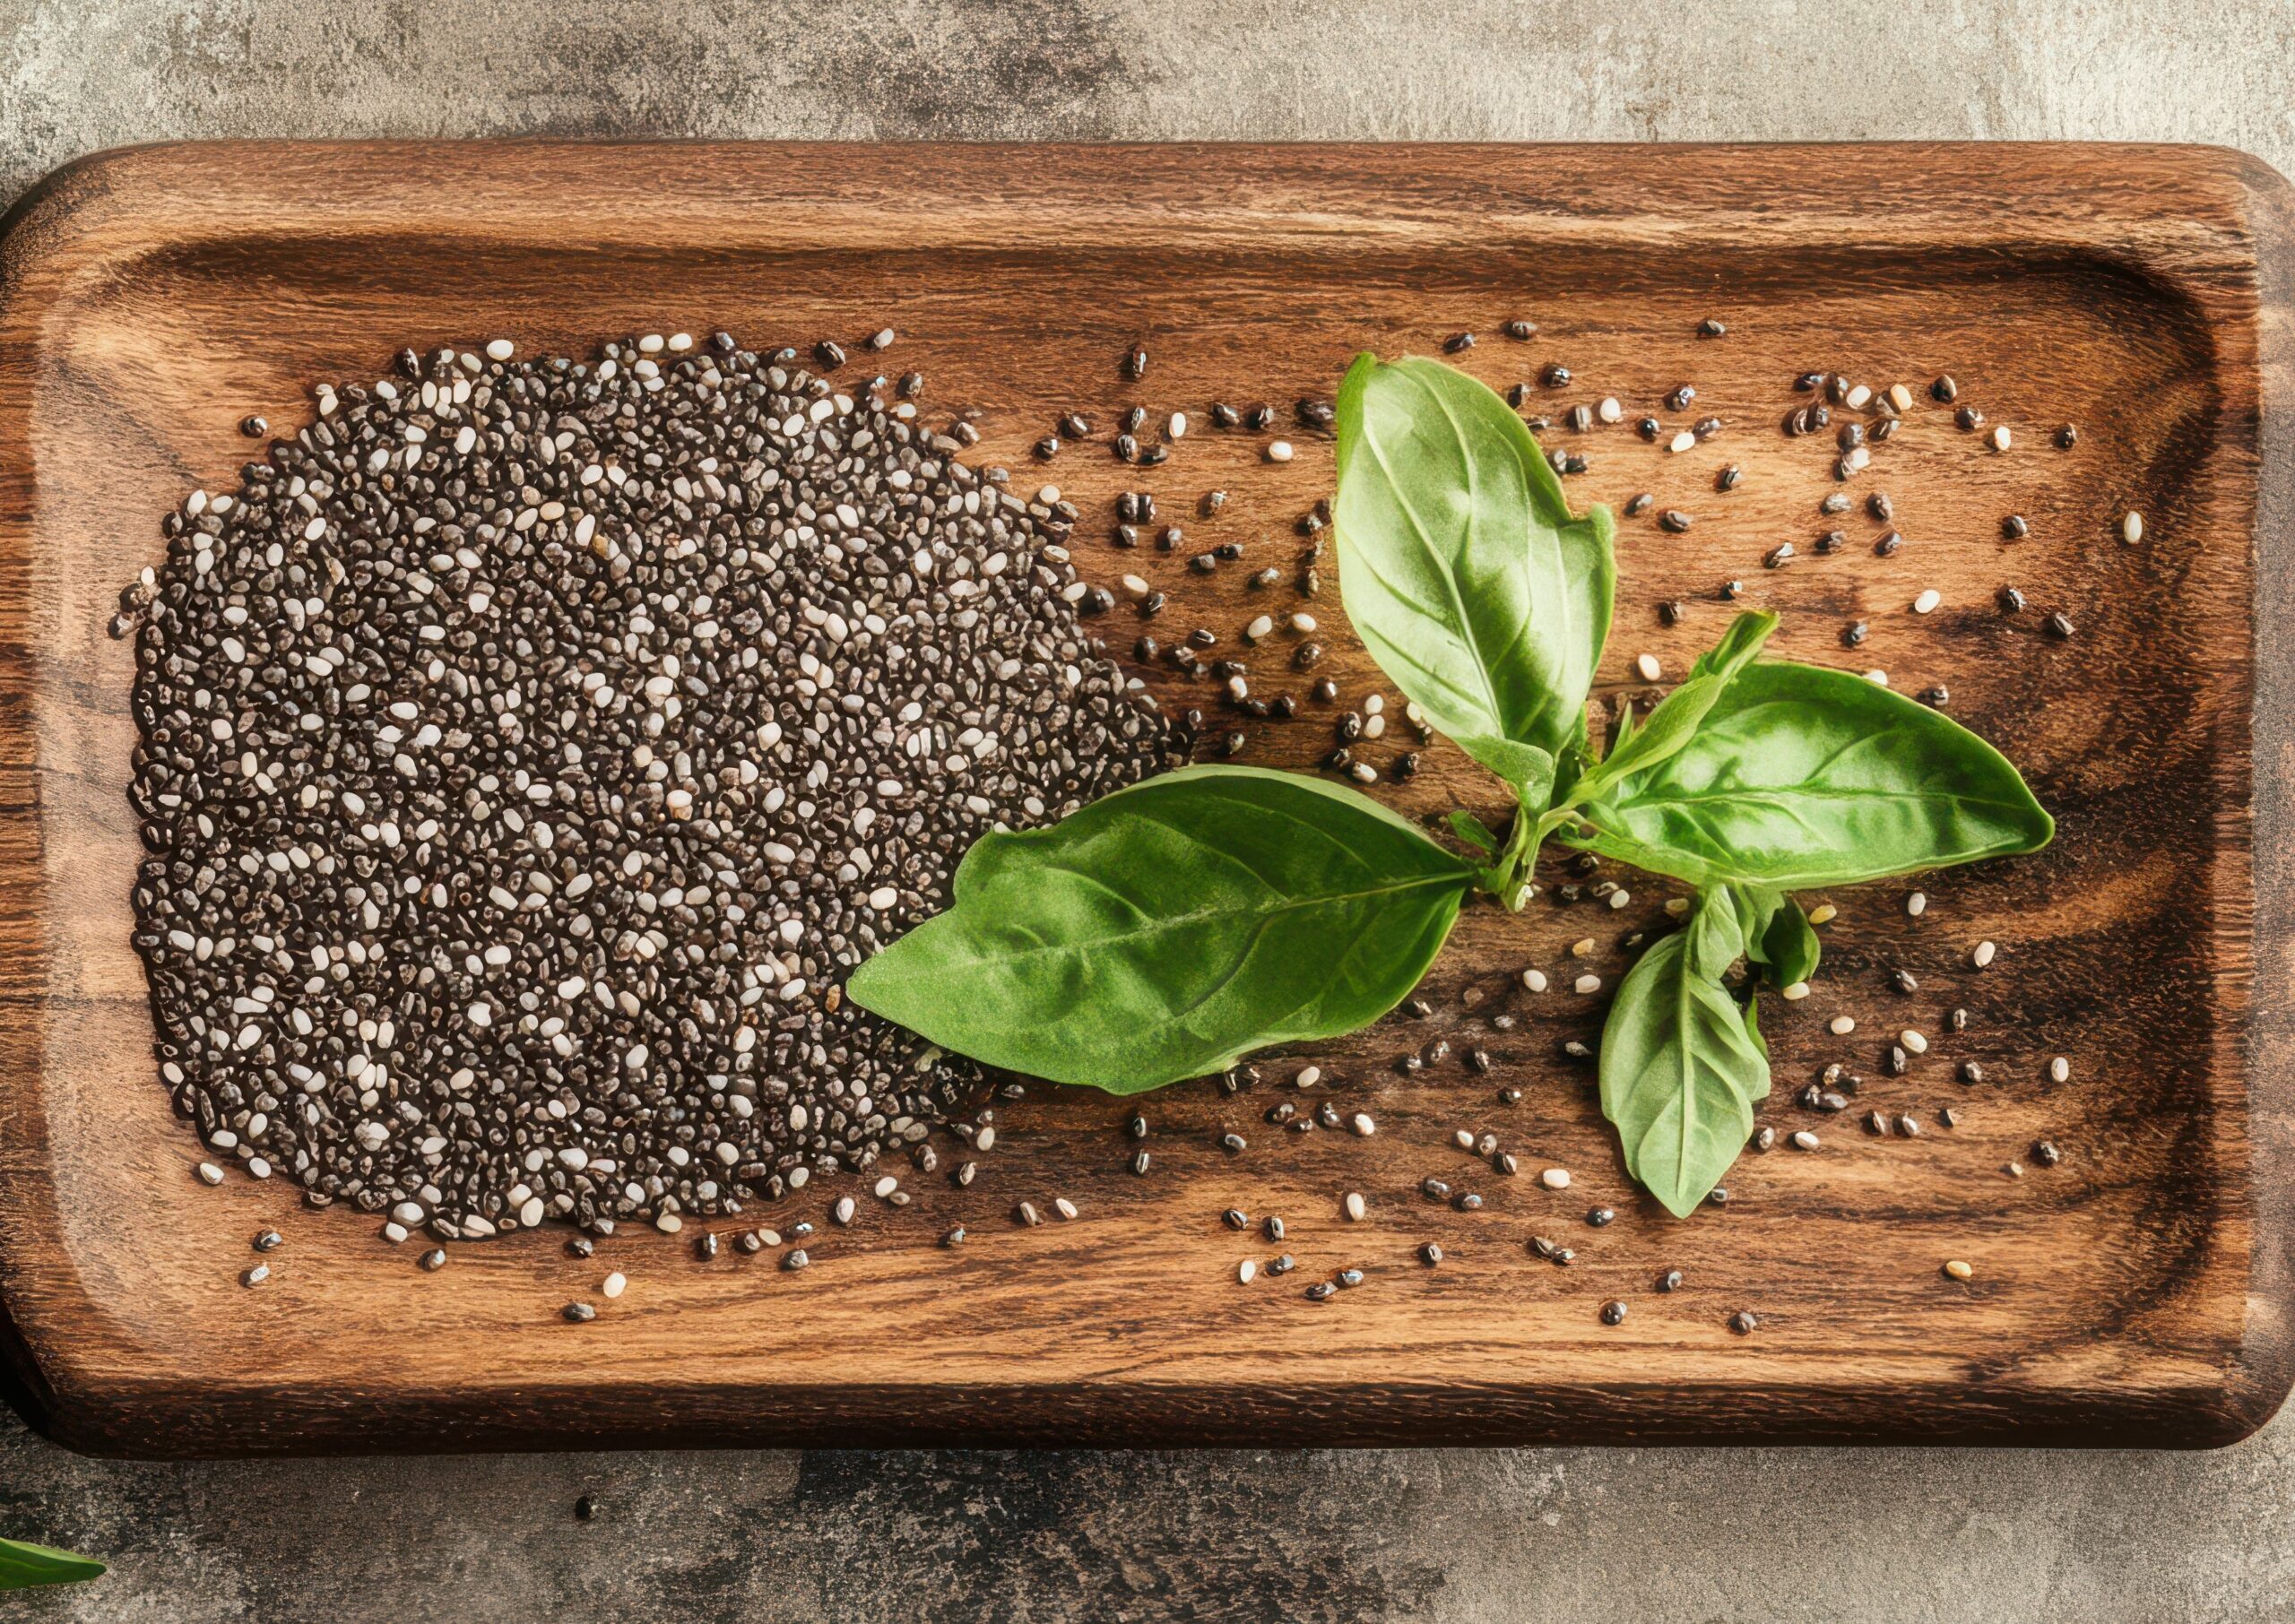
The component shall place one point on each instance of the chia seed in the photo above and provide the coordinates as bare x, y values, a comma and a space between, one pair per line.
531, 750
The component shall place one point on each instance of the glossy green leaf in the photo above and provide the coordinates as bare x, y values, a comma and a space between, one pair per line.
1164, 931
24, 1565
1678, 716
1681, 1063
1463, 570
1801, 776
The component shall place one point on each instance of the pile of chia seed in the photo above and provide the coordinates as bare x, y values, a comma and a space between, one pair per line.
530, 748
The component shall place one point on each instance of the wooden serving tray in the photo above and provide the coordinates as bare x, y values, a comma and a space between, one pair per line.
2138, 1293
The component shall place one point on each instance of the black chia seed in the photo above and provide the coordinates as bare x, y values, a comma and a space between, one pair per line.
530, 750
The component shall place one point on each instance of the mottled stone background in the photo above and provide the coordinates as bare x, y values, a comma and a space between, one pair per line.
1640, 1535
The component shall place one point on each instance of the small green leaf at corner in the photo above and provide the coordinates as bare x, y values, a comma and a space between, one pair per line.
1166, 930
23, 1566
1682, 1062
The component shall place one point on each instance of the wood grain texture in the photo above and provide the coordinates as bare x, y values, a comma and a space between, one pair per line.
2139, 1293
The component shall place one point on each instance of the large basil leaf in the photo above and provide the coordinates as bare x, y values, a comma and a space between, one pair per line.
1682, 1064
24, 1565
1801, 776
1162, 931
1462, 567
1676, 720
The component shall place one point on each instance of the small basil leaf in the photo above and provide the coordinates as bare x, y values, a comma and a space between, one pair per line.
1676, 720
1755, 906
1803, 777
1621, 735
1682, 1064
1528, 770
1570, 766
1474, 831
24, 1565
1460, 565
1164, 931
1717, 935
1787, 947
1777, 934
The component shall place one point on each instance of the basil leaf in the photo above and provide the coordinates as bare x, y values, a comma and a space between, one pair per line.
1779, 938
1755, 904
1459, 563
1676, 720
1474, 831
1528, 770
1166, 930
1801, 777
1717, 937
1682, 1064
24, 1565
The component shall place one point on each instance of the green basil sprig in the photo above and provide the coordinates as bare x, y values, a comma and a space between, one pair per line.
1166, 930
24, 1565
1169, 929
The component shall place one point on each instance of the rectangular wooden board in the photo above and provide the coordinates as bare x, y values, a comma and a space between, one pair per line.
2137, 1294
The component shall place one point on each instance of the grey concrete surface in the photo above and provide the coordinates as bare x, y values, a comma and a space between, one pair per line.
1876, 1536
